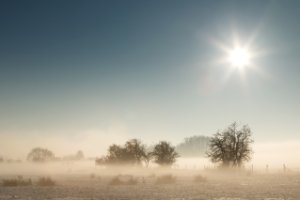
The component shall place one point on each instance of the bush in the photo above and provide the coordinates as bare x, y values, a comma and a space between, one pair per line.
131, 181
16, 182
200, 179
92, 176
45, 181
166, 179
118, 181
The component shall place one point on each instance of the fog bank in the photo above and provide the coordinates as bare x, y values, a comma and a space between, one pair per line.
94, 144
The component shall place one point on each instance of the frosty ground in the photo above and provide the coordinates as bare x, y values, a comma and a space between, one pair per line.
217, 186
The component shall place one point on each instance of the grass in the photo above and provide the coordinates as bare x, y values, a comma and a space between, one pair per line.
19, 181
166, 179
45, 181
200, 179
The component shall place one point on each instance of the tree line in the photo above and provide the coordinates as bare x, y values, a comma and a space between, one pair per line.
230, 147
133, 152
41, 155
194, 146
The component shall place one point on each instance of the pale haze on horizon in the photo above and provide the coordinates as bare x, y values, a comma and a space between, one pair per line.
82, 75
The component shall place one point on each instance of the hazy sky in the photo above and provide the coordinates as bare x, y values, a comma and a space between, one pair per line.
146, 69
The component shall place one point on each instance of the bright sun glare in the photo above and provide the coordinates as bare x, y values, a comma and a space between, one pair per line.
239, 57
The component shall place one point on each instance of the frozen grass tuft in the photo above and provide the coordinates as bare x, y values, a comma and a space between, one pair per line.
166, 179
45, 181
128, 181
200, 179
116, 181
19, 181
92, 176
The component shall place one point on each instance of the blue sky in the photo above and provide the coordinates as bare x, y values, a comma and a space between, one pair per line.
148, 66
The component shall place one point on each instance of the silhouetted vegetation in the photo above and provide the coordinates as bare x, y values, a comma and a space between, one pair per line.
200, 179
92, 176
9, 160
131, 181
45, 181
147, 158
133, 153
126, 180
78, 156
231, 147
40, 155
116, 181
164, 154
193, 146
19, 181
166, 179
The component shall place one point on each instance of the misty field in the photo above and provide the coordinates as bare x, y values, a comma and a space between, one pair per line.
152, 184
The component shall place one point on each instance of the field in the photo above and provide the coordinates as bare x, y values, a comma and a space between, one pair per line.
173, 184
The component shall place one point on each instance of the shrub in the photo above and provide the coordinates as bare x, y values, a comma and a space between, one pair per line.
131, 181
16, 182
127, 181
200, 179
166, 179
92, 176
45, 181
116, 181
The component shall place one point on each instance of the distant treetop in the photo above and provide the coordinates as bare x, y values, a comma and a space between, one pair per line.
193, 146
40, 155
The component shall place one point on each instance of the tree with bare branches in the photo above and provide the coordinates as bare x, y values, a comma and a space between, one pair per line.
232, 146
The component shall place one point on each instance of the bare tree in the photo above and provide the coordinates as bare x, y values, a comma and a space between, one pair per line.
164, 154
40, 155
232, 146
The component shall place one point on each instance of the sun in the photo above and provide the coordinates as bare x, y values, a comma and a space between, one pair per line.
239, 57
